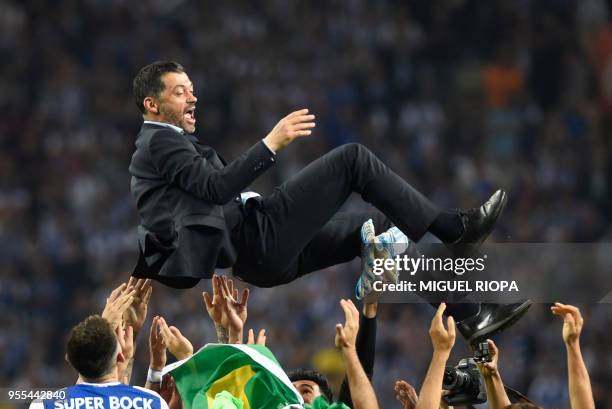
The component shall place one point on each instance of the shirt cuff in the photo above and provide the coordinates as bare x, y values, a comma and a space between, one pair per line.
270, 149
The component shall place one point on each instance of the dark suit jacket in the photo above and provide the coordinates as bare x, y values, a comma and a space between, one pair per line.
185, 194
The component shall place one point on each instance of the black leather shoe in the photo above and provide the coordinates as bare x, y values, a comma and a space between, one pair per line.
491, 319
478, 222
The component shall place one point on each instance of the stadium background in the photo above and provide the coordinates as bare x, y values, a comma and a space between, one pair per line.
457, 96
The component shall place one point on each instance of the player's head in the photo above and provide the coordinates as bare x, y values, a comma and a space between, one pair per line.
164, 93
311, 384
93, 349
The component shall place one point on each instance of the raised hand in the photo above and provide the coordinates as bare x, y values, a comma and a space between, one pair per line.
117, 303
125, 338
157, 347
234, 309
214, 305
441, 338
225, 309
489, 369
261, 338
295, 125
572, 321
578, 380
406, 394
177, 344
347, 335
136, 314
166, 389
169, 393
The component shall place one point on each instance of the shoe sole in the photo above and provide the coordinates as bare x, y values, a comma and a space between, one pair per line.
500, 326
387, 277
368, 238
367, 235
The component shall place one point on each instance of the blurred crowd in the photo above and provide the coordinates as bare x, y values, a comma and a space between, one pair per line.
457, 96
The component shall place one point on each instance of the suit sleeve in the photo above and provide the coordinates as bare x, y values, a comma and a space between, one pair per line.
180, 164
366, 349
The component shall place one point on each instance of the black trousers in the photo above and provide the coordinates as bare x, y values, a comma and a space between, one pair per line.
297, 229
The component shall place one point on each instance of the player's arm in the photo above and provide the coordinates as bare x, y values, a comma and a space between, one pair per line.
362, 392
127, 305
215, 309
442, 341
125, 338
496, 393
136, 314
580, 392
365, 346
157, 356
180, 164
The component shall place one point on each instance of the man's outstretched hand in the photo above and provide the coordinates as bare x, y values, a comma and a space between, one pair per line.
117, 303
578, 380
169, 392
226, 309
177, 343
234, 310
406, 394
136, 313
125, 338
488, 369
295, 125
157, 347
346, 335
261, 338
441, 338
572, 322
214, 305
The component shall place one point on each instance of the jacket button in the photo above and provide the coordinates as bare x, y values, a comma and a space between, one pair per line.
237, 199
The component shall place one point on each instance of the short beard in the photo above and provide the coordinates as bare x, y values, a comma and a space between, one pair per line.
172, 117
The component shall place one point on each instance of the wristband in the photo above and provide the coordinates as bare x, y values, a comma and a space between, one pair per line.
154, 376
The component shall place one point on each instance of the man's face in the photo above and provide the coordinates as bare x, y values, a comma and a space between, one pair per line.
308, 389
177, 102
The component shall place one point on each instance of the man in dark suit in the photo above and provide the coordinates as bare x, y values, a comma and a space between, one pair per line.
197, 213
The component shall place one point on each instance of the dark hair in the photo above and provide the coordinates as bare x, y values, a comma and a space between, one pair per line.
148, 82
314, 376
91, 347
523, 405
